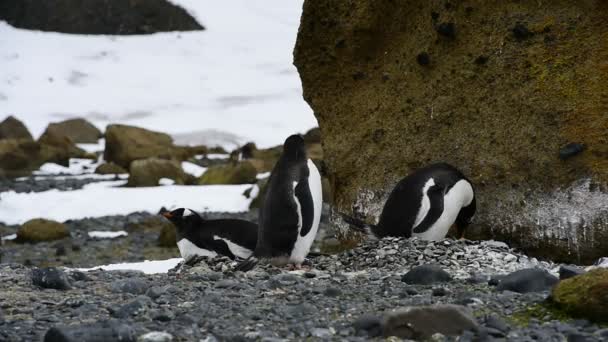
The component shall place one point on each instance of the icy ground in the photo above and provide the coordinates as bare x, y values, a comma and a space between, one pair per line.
227, 85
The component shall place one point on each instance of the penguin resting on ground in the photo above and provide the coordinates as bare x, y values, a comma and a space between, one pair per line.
196, 236
290, 216
425, 204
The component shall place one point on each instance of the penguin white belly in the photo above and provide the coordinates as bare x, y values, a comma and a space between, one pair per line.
235, 249
460, 195
187, 249
303, 243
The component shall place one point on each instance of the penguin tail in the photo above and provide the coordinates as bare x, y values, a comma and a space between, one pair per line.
247, 264
358, 225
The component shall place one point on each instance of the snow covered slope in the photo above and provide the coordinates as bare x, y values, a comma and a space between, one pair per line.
229, 84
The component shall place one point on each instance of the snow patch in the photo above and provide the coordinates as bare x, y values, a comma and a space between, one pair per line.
107, 235
9, 237
92, 148
111, 198
166, 181
147, 266
193, 169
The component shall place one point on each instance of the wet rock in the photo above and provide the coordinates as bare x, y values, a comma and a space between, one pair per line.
109, 331
12, 128
98, 16
148, 172
569, 271
131, 285
79, 130
426, 275
50, 278
369, 324
527, 280
422, 322
38, 230
110, 169
584, 295
138, 306
570, 150
240, 173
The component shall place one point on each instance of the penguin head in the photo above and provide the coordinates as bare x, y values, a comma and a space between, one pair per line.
183, 218
294, 148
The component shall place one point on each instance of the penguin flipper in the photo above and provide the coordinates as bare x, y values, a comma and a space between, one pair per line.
436, 195
247, 264
307, 211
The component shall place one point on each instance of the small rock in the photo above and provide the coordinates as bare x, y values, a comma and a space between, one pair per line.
570, 150
136, 307
495, 322
569, 271
321, 333
527, 280
439, 292
109, 331
426, 275
421, 322
155, 336
131, 285
332, 292
509, 258
369, 324
50, 278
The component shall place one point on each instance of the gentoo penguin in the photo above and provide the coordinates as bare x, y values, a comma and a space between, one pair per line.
425, 204
290, 217
197, 236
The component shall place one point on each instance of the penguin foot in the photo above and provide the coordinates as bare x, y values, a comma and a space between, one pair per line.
247, 265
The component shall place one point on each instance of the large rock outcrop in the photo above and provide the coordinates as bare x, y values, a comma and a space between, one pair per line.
512, 93
98, 16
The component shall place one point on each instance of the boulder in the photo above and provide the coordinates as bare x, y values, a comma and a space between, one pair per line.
125, 144
426, 275
50, 278
495, 103
98, 16
62, 144
79, 130
422, 322
527, 280
38, 230
12, 128
242, 172
110, 169
584, 295
147, 172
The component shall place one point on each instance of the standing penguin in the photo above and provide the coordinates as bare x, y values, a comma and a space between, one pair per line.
196, 236
425, 204
290, 217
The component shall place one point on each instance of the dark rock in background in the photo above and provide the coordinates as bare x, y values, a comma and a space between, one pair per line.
98, 16
527, 280
12, 128
502, 124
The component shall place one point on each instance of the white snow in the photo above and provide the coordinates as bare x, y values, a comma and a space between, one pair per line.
166, 181
77, 166
229, 84
107, 235
148, 266
217, 156
263, 175
92, 148
193, 169
109, 198
9, 237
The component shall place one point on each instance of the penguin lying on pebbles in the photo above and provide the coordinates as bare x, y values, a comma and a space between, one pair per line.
425, 204
291, 213
196, 236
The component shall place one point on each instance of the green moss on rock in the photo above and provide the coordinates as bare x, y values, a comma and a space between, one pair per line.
38, 230
147, 172
240, 173
584, 296
110, 169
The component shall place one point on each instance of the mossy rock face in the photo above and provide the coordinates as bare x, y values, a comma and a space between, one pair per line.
12, 128
38, 230
125, 144
495, 104
240, 173
78, 130
110, 169
585, 295
18, 157
147, 172
63, 145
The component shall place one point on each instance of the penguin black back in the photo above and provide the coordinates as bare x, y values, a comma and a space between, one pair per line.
229, 237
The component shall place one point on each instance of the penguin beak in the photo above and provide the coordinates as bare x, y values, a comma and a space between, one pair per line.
167, 214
